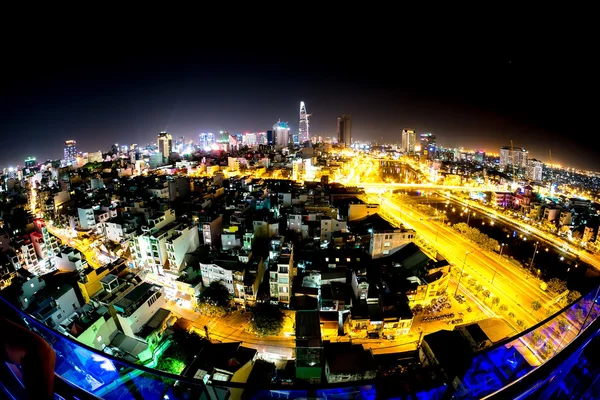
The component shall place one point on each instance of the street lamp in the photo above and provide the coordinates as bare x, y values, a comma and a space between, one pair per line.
534, 252
461, 273
496, 269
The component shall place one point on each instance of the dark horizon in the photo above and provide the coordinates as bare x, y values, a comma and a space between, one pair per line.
99, 99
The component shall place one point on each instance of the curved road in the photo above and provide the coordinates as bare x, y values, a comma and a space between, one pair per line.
510, 284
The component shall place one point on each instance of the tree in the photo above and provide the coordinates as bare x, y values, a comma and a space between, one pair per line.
579, 315
536, 305
478, 288
172, 360
511, 314
418, 309
503, 307
563, 325
266, 320
486, 294
573, 296
520, 323
556, 285
215, 300
472, 281
496, 301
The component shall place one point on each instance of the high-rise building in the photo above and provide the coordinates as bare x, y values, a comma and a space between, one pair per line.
30, 162
70, 153
513, 157
281, 133
344, 130
428, 145
165, 144
535, 170
408, 141
303, 131
479, 156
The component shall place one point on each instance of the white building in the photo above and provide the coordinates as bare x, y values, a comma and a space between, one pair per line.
183, 239
44, 252
25, 250
135, 309
219, 271
119, 229
54, 306
281, 134
535, 169
281, 270
409, 139
160, 249
87, 220
68, 259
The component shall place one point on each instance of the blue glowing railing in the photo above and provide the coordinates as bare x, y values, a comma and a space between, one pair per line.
494, 372
506, 363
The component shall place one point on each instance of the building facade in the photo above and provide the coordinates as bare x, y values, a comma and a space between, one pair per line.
70, 152
344, 130
165, 144
409, 139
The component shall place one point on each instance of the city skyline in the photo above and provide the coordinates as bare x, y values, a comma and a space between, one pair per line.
473, 106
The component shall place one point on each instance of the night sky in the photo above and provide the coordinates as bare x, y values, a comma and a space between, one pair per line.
107, 94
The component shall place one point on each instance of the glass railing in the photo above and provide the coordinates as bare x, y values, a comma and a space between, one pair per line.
515, 368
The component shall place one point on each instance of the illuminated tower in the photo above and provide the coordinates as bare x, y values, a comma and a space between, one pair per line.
165, 144
70, 153
344, 130
303, 131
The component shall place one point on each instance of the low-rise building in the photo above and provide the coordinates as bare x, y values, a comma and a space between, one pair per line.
90, 326
52, 305
347, 362
135, 309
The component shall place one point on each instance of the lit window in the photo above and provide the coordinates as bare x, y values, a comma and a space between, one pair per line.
348, 259
326, 259
337, 259
99, 339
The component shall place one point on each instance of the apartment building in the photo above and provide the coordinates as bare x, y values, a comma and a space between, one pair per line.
25, 249
120, 228
221, 270
68, 260
135, 308
281, 270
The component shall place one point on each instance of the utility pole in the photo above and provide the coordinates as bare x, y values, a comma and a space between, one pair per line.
496, 270
533, 256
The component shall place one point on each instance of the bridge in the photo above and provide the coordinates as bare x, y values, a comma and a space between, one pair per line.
429, 186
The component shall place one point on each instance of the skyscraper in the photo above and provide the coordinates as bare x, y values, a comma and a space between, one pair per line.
165, 144
70, 153
535, 170
344, 130
281, 133
408, 141
30, 162
513, 157
303, 131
